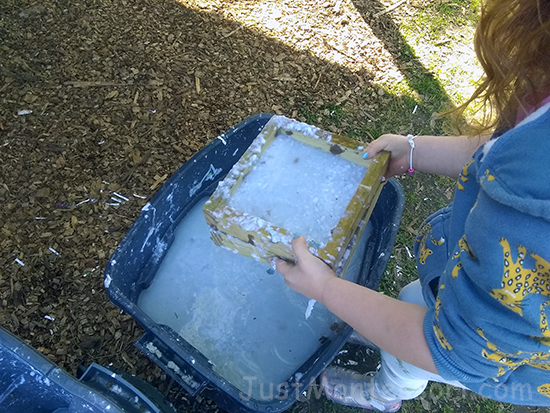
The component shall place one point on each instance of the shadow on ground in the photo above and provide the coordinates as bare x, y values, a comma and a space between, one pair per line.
417, 76
118, 94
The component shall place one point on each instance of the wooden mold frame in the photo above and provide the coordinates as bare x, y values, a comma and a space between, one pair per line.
261, 240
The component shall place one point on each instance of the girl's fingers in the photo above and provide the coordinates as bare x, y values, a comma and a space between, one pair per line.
299, 246
375, 147
282, 266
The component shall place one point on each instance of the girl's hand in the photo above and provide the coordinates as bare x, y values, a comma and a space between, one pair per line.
398, 146
309, 276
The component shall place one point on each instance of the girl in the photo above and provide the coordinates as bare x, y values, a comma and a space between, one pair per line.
477, 316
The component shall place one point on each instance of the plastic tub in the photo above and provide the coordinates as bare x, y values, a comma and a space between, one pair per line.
133, 267
29, 382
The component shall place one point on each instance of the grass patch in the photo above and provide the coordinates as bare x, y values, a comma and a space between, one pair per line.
333, 114
440, 34
439, 67
438, 19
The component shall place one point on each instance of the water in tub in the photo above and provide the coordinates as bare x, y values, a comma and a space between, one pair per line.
236, 311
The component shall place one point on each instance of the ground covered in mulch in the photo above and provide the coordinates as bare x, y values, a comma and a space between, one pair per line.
102, 100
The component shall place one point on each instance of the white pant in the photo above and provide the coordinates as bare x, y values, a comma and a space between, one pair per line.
397, 379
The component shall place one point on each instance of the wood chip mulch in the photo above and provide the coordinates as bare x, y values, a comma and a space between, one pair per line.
100, 102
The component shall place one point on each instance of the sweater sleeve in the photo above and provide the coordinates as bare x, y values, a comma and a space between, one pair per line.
488, 327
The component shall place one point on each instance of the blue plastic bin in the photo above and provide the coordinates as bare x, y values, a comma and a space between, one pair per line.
132, 268
31, 383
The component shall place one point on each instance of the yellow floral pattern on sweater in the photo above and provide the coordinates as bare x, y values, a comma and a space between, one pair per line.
488, 176
463, 246
508, 361
463, 178
424, 252
544, 389
439, 335
518, 282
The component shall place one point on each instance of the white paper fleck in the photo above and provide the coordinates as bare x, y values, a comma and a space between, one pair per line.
309, 308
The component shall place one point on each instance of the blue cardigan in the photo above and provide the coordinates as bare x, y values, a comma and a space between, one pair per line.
484, 264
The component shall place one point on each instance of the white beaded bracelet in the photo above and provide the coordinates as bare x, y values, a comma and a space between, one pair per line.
410, 138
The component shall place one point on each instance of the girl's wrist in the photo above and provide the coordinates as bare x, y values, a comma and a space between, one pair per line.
325, 290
